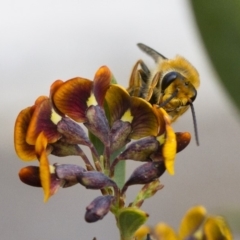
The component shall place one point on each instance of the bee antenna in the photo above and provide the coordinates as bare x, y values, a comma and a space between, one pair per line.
194, 122
169, 99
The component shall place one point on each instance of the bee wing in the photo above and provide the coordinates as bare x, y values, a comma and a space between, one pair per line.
151, 52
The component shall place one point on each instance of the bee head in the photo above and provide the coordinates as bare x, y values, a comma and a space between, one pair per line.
181, 87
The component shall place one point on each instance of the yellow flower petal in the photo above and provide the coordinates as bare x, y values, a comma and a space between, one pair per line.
24, 150
41, 147
192, 221
142, 232
170, 145
216, 228
165, 232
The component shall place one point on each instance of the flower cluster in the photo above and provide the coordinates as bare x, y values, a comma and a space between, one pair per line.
120, 127
195, 225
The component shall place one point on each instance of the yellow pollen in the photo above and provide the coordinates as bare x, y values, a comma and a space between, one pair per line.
55, 118
92, 101
127, 116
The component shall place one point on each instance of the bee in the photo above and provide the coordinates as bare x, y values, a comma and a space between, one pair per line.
171, 85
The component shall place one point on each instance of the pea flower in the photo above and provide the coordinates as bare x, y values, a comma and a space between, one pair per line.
120, 128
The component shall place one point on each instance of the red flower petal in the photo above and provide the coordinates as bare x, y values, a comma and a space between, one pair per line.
41, 122
71, 98
101, 83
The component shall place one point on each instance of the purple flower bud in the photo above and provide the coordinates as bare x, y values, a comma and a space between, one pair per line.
98, 208
119, 134
69, 173
140, 150
62, 148
145, 173
73, 132
95, 180
97, 123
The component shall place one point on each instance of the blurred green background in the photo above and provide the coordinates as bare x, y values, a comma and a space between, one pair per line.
219, 25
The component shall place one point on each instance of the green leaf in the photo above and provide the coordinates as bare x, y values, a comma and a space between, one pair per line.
218, 22
129, 220
97, 143
120, 170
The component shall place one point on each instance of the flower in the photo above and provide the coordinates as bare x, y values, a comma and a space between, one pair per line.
61, 175
34, 130
196, 224
120, 127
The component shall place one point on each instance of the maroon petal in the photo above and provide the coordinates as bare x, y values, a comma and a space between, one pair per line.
72, 96
101, 83
41, 122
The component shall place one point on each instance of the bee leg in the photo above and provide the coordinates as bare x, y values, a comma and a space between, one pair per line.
152, 86
144, 71
135, 82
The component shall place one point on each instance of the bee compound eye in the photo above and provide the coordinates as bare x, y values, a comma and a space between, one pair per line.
168, 79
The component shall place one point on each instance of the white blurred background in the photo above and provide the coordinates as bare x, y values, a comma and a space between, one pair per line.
42, 41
